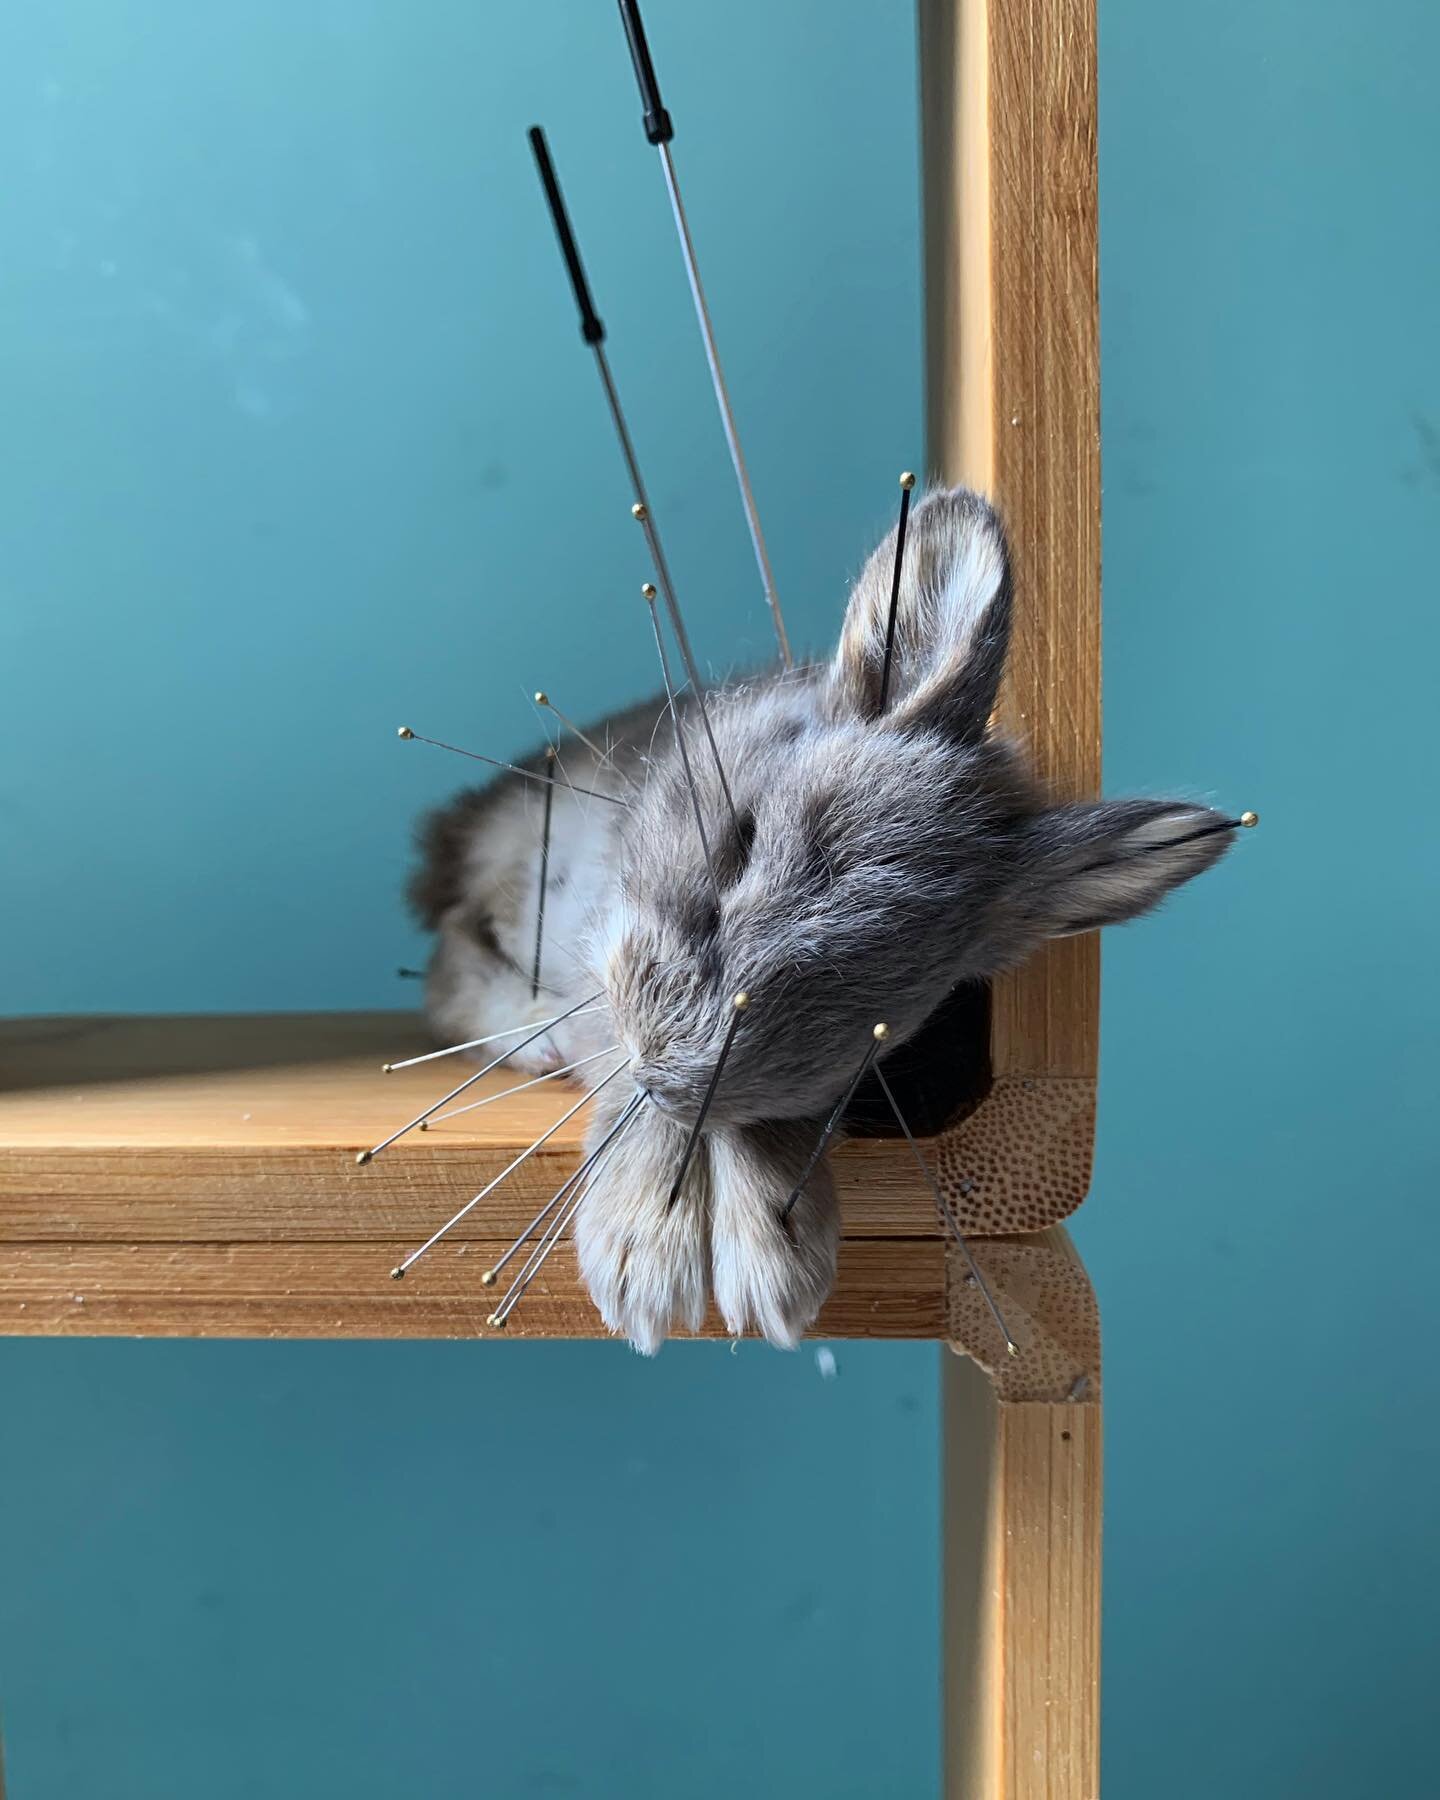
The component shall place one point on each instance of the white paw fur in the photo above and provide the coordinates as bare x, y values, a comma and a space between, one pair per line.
645, 1262
771, 1275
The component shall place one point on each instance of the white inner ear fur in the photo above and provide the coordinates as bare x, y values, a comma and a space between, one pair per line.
970, 589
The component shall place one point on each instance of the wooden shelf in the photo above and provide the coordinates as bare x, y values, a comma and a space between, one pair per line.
197, 1176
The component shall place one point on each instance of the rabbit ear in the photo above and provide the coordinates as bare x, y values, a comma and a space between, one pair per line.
1090, 865
952, 621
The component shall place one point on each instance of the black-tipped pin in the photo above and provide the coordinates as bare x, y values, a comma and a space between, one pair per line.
737, 1011
594, 335
877, 1044
659, 130
907, 486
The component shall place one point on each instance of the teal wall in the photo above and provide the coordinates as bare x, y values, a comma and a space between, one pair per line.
299, 441
1263, 1228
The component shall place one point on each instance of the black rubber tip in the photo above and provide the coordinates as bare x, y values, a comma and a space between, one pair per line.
591, 329
658, 126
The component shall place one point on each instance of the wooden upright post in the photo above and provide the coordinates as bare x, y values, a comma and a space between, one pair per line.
1009, 152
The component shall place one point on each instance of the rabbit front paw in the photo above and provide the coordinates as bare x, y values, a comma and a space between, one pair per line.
771, 1270
645, 1262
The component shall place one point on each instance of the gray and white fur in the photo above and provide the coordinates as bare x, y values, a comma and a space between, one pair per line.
875, 860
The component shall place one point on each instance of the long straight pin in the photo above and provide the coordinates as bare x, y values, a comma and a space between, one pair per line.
648, 590
592, 331
737, 1011
495, 1037
659, 130
1246, 822
398, 1271
572, 1193
365, 1156
947, 1216
602, 756
907, 483
520, 1087
550, 755
417, 737
877, 1041
562, 1192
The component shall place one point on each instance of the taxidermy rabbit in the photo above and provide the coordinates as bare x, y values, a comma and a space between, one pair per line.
874, 859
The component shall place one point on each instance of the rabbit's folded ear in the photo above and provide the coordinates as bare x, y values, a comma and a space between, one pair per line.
1090, 865
952, 622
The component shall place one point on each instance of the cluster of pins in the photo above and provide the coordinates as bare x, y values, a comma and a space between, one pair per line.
559, 1211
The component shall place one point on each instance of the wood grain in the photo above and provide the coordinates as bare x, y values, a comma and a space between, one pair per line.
1009, 146
1022, 1550
1009, 150
885, 1289
197, 1176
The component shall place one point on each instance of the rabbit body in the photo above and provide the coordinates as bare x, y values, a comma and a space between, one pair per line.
884, 843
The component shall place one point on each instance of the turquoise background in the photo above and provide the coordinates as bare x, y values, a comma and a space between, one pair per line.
298, 442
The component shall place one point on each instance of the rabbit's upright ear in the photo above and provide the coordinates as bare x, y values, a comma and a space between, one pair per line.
952, 622
1099, 864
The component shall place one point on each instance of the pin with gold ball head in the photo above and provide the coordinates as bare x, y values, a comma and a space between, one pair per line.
878, 1039
414, 737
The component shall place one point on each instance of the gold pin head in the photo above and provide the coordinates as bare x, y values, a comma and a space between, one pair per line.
907, 481
1249, 820
397, 1273
639, 512
542, 698
405, 732
488, 1278
882, 1031
648, 589
740, 1002
495, 1322
362, 1157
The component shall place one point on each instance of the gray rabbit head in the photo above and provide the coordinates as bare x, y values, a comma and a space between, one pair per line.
881, 848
